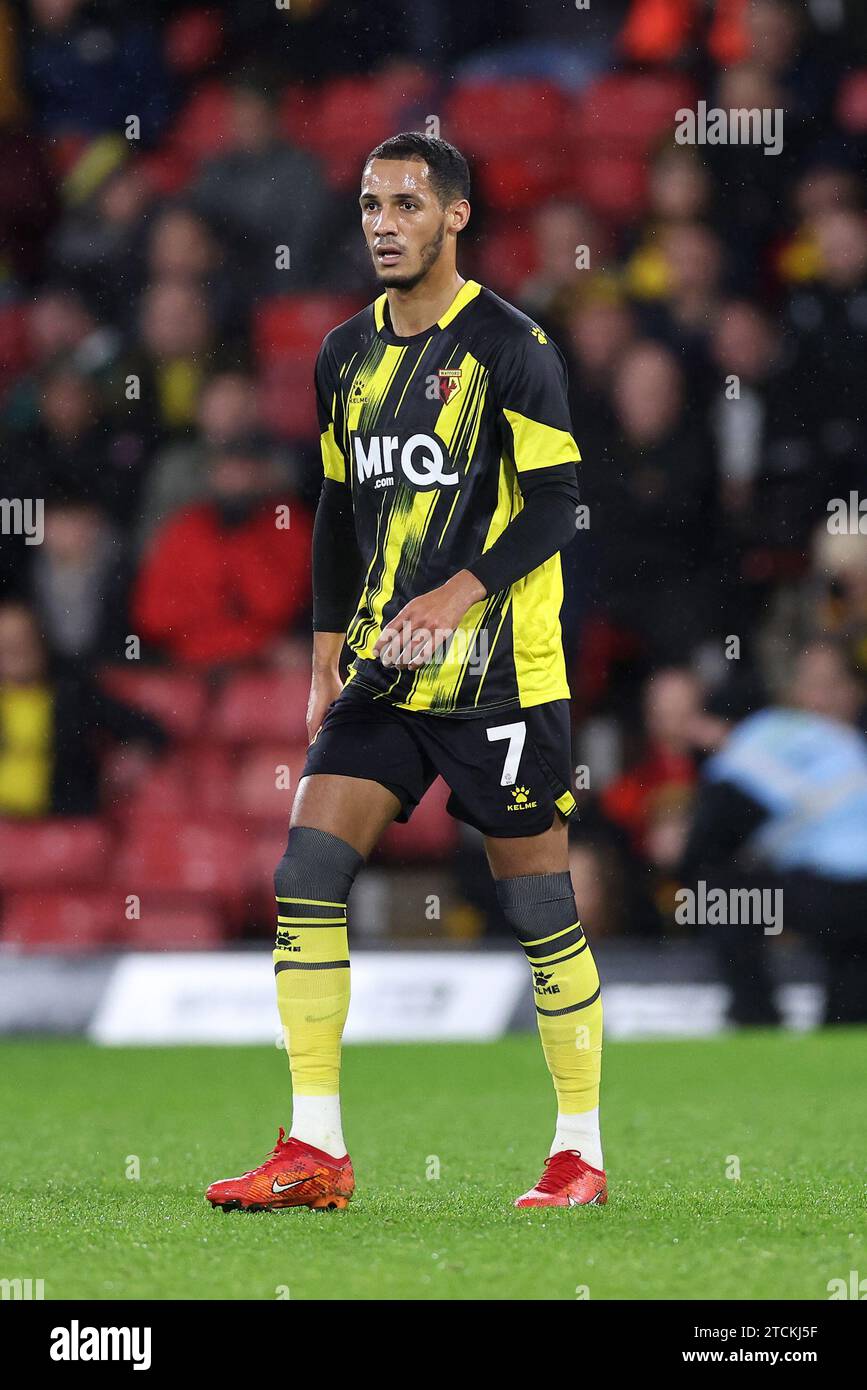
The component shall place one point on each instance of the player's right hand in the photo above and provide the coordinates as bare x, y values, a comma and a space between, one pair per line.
324, 690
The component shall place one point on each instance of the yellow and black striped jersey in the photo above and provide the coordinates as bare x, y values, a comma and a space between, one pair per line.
432, 434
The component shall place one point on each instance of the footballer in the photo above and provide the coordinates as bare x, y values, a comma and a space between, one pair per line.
449, 490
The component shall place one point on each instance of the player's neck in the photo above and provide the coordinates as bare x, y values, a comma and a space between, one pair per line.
413, 311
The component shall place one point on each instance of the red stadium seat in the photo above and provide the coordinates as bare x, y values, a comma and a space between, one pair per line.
267, 844
193, 40
97, 920
202, 129
504, 118
851, 111
177, 699
656, 31
293, 326
53, 853
265, 781
430, 833
613, 185
352, 114
168, 171
15, 340
297, 113
628, 111
260, 706
347, 104
288, 401
288, 331
354, 111
164, 855
507, 257
512, 182
178, 923
164, 791
57, 921
15, 345
210, 776
287, 334
192, 781
64, 150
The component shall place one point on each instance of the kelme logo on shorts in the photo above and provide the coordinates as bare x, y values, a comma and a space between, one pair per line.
522, 800
422, 460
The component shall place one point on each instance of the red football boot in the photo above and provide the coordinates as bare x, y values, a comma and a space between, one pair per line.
294, 1175
567, 1182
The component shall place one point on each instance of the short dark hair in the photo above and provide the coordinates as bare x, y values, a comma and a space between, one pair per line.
449, 171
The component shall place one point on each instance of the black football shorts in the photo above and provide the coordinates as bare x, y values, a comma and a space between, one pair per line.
508, 772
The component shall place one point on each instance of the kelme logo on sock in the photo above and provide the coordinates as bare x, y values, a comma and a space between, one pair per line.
541, 985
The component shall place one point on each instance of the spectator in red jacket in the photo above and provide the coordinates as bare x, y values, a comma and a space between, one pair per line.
226, 580
651, 799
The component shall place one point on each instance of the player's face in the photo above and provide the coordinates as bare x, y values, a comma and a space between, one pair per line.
403, 222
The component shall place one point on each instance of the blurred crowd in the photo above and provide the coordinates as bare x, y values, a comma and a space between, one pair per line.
177, 233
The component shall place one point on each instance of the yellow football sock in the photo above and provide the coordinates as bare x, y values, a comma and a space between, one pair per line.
540, 908
569, 1015
311, 963
311, 955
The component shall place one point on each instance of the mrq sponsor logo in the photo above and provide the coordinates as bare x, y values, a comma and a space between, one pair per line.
422, 461
77, 1343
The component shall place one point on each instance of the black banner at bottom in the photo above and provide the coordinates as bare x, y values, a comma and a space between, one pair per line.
254, 1339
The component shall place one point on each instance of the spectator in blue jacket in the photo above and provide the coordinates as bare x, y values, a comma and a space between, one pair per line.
783, 806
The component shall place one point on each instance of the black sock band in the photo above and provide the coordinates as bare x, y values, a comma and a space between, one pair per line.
313, 879
541, 908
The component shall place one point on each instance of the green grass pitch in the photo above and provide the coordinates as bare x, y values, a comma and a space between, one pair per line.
789, 1108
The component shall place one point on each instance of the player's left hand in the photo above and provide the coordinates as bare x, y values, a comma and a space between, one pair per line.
424, 625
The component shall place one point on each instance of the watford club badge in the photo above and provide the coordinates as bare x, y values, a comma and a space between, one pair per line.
450, 384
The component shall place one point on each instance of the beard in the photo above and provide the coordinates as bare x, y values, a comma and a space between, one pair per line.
429, 255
